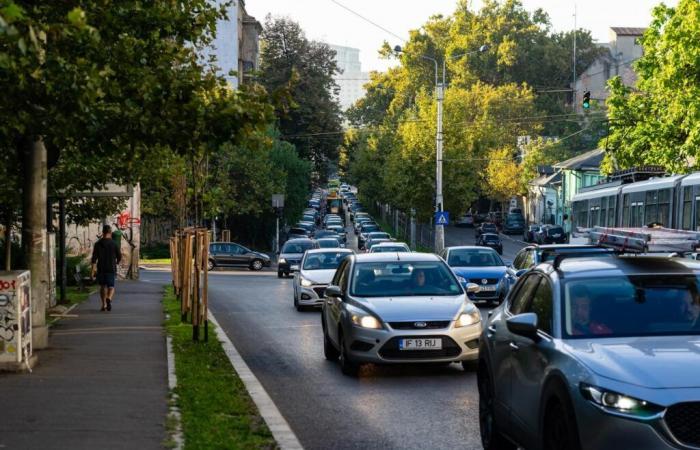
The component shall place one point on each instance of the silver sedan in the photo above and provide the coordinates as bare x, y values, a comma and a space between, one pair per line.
398, 308
316, 270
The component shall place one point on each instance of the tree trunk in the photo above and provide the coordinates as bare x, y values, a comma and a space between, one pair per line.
34, 240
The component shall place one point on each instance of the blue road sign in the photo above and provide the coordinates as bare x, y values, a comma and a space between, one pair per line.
442, 218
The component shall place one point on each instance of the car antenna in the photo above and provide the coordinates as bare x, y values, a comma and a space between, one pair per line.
398, 257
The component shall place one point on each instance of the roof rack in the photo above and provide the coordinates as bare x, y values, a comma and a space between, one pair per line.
573, 253
645, 239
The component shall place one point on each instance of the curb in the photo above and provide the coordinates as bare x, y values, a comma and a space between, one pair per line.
277, 424
173, 410
56, 319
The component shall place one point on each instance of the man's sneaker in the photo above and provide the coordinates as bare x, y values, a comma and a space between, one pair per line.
109, 304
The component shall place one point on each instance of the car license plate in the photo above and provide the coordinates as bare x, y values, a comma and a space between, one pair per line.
488, 288
556, 235
294, 267
420, 344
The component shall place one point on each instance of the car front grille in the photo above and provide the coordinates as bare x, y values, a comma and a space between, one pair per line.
480, 283
683, 420
320, 291
429, 325
390, 350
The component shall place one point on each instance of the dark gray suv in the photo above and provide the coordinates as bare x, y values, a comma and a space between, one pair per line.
594, 353
230, 254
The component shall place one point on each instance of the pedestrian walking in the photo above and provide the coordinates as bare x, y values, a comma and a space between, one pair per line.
105, 257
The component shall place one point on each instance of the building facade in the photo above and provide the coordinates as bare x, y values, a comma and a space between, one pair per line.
622, 51
352, 79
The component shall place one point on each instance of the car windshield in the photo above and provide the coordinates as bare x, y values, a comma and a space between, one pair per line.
491, 238
369, 228
328, 243
463, 257
388, 248
323, 261
637, 305
555, 230
488, 226
297, 247
403, 278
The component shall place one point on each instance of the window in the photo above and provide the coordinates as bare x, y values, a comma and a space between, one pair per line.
626, 210
664, 207
603, 211
529, 259
237, 250
519, 261
687, 207
542, 306
612, 200
697, 213
594, 218
339, 273
520, 299
650, 212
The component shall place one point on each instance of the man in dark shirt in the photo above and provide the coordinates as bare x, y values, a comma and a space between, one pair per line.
105, 257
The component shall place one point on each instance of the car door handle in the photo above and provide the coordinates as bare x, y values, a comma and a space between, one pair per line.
492, 329
513, 346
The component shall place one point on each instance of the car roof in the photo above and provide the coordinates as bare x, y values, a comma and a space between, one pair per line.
295, 240
389, 257
467, 247
390, 244
624, 265
329, 250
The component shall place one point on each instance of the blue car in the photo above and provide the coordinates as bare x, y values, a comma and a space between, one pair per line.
482, 266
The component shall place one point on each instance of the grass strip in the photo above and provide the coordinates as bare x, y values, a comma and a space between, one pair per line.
215, 407
154, 261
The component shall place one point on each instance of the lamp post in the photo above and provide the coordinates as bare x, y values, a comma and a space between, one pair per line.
440, 95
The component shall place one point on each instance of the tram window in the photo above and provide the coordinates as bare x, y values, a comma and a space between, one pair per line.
611, 211
626, 210
664, 207
603, 210
687, 207
697, 213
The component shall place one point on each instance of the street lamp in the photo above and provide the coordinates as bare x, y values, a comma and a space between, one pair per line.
440, 94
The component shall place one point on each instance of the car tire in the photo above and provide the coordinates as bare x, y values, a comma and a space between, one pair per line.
347, 365
559, 430
329, 351
470, 366
210, 265
256, 264
491, 437
286, 274
279, 274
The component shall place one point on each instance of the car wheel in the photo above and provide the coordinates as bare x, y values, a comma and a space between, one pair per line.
559, 431
331, 353
491, 437
470, 366
279, 274
210, 265
296, 303
257, 264
347, 365
286, 274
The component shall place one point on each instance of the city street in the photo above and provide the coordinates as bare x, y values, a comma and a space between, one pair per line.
284, 348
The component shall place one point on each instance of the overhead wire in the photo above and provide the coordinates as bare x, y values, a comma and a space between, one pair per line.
368, 20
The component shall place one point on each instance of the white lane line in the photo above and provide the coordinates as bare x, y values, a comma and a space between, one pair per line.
277, 424
175, 434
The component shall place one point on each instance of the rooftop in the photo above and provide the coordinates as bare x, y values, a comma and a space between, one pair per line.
585, 161
628, 31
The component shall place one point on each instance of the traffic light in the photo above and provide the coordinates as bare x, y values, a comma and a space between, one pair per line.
586, 99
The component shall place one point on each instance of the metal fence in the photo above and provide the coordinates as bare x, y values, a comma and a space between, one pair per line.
404, 227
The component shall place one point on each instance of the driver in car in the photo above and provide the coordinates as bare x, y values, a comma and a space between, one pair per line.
581, 314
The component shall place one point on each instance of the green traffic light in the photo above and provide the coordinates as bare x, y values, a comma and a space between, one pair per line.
586, 105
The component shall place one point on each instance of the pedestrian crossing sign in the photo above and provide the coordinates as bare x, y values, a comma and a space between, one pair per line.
442, 218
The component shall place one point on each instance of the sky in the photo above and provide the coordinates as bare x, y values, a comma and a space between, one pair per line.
326, 21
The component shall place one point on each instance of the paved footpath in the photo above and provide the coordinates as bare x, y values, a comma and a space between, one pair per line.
102, 384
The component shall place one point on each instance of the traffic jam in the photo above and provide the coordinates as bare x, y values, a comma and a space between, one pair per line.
596, 329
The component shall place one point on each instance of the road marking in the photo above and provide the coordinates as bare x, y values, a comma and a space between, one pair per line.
277, 424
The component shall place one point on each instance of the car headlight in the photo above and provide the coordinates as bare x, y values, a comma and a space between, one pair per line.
305, 282
282, 261
364, 320
619, 403
468, 317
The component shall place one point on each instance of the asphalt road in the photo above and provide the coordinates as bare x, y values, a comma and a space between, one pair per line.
387, 407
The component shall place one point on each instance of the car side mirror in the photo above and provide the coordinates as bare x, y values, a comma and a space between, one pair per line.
334, 292
520, 273
473, 288
524, 325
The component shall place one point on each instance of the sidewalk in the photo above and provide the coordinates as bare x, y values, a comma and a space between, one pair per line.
102, 384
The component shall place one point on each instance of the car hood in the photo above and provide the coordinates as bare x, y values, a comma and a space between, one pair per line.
652, 362
294, 256
318, 276
400, 309
480, 272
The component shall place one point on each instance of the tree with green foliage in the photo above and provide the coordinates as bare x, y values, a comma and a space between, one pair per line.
658, 121
311, 120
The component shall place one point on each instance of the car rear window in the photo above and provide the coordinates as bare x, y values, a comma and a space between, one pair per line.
328, 243
400, 279
555, 230
635, 305
388, 249
297, 231
297, 247
483, 257
369, 228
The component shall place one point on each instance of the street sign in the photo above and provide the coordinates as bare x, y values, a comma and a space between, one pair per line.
278, 200
442, 218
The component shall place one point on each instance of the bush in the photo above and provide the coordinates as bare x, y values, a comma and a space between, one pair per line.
155, 251
76, 261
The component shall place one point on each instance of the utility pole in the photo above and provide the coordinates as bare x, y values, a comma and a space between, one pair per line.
573, 87
439, 228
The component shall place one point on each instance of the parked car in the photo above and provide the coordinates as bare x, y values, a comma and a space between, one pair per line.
230, 254
533, 255
465, 220
594, 354
330, 242
391, 246
486, 227
316, 271
551, 234
297, 233
482, 266
529, 234
398, 308
373, 238
490, 240
514, 224
290, 256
